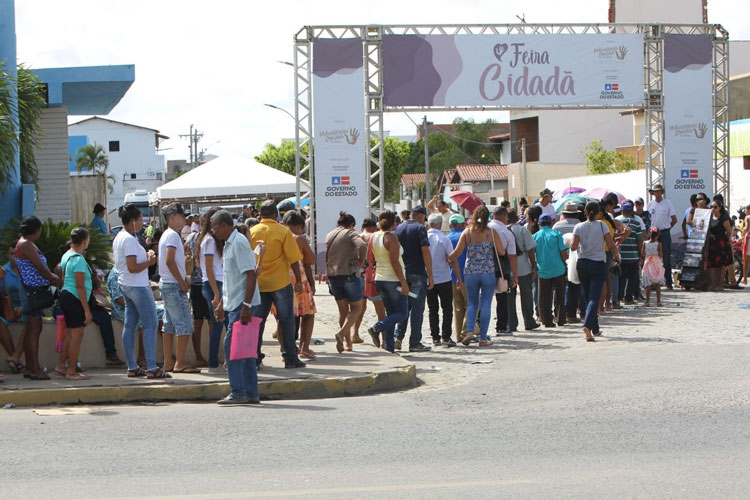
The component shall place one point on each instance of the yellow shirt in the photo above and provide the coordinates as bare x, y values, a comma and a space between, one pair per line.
281, 251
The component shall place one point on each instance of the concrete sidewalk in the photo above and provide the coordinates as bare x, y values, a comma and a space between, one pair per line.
367, 370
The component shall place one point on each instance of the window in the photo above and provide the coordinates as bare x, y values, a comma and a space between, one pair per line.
746, 162
132, 176
159, 177
114, 146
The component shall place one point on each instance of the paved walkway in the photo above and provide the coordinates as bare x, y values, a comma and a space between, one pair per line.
367, 370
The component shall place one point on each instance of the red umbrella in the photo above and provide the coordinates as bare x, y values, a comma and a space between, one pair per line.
466, 200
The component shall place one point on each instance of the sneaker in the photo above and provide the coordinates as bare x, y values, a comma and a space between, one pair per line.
374, 335
397, 344
533, 327
216, 370
437, 342
449, 343
294, 363
232, 401
504, 333
419, 348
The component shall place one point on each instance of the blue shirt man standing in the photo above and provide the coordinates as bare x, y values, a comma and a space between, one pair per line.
98, 220
240, 295
551, 254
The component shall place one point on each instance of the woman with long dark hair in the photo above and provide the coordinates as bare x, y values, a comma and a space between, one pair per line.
483, 248
592, 236
209, 254
719, 244
36, 279
132, 263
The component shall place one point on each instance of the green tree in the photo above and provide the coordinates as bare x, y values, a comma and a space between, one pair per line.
92, 158
282, 157
601, 161
31, 102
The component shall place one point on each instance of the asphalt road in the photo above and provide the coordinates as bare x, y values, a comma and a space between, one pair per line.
620, 420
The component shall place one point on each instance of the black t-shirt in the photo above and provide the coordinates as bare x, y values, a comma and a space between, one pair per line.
716, 227
413, 236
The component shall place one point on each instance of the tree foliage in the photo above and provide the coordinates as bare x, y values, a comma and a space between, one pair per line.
31, 102
93, 158
282, 157
601, 161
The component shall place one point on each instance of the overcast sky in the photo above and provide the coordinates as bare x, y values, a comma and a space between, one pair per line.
213, 63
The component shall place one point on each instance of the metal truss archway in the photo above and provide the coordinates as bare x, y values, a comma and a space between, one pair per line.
372, 36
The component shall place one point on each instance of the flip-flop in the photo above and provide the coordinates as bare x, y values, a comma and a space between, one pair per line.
77, 377
62, 374
339, 343
189, 369
39, 376
15, 366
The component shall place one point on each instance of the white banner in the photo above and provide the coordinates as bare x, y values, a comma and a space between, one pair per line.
513, 70
688, 117
339, 135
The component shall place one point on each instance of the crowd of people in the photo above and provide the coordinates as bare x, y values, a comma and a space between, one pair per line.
226, 271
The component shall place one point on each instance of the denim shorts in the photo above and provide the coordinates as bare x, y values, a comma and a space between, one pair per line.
177, 317
346, 287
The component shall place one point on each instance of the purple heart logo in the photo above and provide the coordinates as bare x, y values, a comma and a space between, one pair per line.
500, 50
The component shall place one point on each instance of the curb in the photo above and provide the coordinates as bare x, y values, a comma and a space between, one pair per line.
360, 385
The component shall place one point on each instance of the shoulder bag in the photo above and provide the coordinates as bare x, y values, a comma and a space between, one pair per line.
501, 284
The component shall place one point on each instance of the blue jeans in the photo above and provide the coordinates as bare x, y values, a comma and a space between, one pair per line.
480, 288
593, 274
283, 299
177, 316
396, 308
214, 338
418, 286
140, 307
242, 373
615, 292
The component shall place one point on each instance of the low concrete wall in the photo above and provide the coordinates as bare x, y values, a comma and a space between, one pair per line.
92, 348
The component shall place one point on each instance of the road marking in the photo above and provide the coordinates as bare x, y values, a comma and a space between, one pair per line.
328, 491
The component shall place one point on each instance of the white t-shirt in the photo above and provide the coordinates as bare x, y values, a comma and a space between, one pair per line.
208, 247
661, 213
549, 209
171, 238
126, 245
508, 239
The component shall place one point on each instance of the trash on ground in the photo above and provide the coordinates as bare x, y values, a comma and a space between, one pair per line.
434, 368
9, 406
743, 306
318, 341
51, 412
481, 362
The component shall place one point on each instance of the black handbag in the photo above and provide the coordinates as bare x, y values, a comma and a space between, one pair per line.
40, 297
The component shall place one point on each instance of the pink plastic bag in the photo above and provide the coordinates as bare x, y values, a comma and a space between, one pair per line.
245, 339
61, 332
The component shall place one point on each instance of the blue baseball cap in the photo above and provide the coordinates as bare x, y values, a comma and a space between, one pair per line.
545, 218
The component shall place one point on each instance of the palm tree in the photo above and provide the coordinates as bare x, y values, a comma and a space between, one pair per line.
92, 158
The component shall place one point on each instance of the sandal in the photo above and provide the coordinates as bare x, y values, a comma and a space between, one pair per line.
15, 366
39, 376
77, 377
138, 372
339, 343
188, 369
157, 373
307, 355
467, 339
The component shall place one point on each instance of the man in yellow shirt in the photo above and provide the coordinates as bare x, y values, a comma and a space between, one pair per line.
274, 281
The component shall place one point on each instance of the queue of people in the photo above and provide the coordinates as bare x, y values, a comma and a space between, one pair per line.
566, 270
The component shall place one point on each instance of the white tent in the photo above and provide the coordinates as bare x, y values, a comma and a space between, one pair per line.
229, 176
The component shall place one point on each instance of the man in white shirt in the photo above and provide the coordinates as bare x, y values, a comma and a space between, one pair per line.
438, 206
527, 274
441, 295
498, 224
174, 286
545, 202
663, 217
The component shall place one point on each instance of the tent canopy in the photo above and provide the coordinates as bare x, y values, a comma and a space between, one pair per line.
230, 176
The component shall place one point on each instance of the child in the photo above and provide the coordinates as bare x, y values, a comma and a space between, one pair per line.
653, 269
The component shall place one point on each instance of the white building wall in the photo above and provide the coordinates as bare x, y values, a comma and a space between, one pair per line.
137, 156
564, 133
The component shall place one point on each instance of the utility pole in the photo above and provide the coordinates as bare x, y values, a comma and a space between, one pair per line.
523, 166
194, 137
427, 195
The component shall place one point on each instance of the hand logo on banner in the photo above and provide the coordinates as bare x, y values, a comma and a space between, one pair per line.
352, 136
700, 132
621, 52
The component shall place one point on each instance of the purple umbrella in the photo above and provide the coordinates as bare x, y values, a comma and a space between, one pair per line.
568, 190
599, 193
